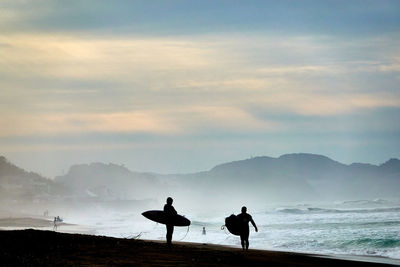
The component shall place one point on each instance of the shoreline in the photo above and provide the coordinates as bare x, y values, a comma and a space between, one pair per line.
42, 224
45, 248
347, 257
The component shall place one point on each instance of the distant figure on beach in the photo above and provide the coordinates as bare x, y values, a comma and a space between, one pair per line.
170, 212
244, 218
55, 224
204, 230
56, 221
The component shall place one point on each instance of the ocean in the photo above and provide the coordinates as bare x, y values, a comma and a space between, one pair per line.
357, 228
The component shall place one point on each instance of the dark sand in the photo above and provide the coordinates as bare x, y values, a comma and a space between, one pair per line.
47, 248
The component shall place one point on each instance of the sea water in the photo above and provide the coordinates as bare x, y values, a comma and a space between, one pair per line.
368, 228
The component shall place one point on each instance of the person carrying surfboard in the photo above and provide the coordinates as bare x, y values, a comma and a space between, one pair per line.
170, 212
244, 218
169, 217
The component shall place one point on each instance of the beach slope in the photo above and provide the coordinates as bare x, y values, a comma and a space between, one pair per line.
47, 248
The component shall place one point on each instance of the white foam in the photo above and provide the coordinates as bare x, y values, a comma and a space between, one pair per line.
318, 232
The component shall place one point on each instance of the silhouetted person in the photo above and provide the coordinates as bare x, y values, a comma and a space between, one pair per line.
204, 230
55, 224
170, 212
244, 219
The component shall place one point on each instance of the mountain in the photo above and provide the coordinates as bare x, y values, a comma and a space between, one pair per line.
18, 185
83, 190
260, 180
108, 181
391, 166
309, 176
310, 165
256, 180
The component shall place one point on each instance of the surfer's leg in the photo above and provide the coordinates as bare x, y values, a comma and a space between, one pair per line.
246, 238
242, 241
168, 235
170, 231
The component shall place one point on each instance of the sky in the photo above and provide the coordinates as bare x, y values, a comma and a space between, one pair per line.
181, 86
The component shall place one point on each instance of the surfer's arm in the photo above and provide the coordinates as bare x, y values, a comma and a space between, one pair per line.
254, 224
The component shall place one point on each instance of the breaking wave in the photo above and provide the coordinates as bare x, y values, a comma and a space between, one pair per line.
372, 243
322, 210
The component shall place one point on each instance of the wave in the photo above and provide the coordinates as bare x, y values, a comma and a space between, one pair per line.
322, 210
372, 243
294, 211
364, 202
202, 223
381, 247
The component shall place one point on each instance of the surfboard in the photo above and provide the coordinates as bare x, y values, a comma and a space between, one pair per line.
159, 216
233, 224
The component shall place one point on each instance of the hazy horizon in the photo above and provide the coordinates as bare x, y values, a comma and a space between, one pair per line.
65, 171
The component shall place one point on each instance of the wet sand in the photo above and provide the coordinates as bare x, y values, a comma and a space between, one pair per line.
42, 223
47, 248
25, 222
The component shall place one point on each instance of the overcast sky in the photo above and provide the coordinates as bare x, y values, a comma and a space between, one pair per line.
181, 86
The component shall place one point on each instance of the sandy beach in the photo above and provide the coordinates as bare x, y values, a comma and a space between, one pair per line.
41, 223
25, 222
48, 248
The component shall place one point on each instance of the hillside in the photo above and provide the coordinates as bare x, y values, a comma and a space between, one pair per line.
107, 181
18, 185
308, 176
261, 180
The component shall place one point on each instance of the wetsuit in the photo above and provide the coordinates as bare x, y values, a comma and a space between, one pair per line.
170, 212
244, 219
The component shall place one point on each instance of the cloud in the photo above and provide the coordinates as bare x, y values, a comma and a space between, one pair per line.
152, 82
393, 66
182, 120
80, 123
74, 57
63, 83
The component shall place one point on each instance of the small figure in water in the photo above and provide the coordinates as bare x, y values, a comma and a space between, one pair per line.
170, 212
204, 230
244, 219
